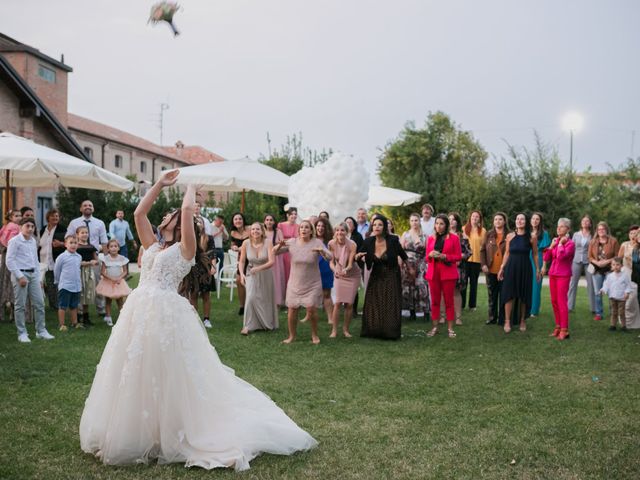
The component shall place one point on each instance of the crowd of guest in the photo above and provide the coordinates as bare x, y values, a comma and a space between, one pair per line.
424, 273
74, 267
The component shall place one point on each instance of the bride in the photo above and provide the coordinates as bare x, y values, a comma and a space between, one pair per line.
160, 390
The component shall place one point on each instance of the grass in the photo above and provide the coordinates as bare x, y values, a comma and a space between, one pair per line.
482, 405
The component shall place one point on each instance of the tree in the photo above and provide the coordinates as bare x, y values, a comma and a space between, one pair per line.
440, 161
535, 180
290, 158
615, 197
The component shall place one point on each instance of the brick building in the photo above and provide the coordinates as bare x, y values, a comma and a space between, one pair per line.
33, 104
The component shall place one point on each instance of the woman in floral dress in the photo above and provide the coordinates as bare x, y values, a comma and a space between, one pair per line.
415, 296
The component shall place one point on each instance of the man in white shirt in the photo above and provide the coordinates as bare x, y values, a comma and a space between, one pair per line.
428, 221
362, 223
22, 262
97, 238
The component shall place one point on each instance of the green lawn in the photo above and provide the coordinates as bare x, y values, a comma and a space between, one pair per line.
482, 405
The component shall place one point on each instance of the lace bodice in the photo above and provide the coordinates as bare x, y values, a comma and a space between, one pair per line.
164, 268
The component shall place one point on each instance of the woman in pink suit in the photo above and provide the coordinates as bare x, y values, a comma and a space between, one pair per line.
560, 254
443, 253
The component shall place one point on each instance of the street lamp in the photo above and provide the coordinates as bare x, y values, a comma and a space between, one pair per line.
572, 122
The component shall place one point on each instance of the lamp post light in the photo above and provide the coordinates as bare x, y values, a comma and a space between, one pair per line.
572, 122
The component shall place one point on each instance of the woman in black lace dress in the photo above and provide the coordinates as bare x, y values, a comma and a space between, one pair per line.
381, 315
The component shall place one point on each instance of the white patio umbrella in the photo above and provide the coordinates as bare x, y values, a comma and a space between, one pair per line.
391, 197
28, 164
241, 175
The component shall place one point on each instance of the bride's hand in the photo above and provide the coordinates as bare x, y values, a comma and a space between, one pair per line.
168, 178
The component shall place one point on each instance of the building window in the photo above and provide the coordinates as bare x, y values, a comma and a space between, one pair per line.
47, 74
88, 151
118, 161
143, 167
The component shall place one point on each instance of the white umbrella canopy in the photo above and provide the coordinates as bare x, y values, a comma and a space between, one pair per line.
240, 175
391, 197
29, 164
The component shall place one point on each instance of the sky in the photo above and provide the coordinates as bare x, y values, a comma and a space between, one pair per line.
349, 74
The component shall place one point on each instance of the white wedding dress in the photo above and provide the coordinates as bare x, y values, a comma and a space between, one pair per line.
161, 392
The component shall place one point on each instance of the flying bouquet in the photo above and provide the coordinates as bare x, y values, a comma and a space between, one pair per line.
164, 12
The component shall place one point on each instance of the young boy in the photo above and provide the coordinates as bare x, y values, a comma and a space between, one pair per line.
66, 274
617, 286
22, 262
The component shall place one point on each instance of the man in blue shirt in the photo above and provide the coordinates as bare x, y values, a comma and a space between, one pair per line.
120, 230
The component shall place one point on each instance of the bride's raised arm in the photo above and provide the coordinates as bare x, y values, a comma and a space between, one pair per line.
188, 236
143, 225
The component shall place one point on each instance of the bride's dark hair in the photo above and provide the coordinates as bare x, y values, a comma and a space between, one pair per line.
199, 273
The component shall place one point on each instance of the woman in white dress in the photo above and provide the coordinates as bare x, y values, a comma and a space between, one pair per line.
160, 390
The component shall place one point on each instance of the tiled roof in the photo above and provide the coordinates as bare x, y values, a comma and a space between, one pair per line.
97, 129
194, 154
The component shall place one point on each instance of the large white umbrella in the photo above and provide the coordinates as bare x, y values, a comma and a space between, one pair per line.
391, 197
241, 175
28, 164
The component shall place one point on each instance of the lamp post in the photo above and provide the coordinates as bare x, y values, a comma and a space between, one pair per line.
572, 122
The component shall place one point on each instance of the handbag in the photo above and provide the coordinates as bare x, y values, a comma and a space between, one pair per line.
591, 268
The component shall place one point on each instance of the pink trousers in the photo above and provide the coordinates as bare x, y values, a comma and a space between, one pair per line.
439, 289
559, 287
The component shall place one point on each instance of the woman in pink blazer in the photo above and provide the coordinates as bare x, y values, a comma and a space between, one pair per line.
560, 254
442, 255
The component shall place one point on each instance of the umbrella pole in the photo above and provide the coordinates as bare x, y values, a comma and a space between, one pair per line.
242, 203
7, 194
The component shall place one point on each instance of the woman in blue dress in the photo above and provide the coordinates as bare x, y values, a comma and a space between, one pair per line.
324, 232
540, 234
516, 272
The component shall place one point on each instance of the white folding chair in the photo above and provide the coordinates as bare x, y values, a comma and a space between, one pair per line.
227, 274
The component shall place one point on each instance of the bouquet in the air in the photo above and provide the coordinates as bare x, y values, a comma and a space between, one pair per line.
164, 12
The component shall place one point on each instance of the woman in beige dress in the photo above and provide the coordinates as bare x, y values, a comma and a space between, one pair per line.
304, 288
347, 277
260, 310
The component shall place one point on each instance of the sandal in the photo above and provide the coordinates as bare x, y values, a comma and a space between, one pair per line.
451, 334
433, 332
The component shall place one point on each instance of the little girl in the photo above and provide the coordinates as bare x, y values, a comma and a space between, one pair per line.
112, 285
89, 256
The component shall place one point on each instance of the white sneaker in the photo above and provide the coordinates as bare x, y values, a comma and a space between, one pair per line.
108, 321
207, 324
24, 338
406, 313
44, 335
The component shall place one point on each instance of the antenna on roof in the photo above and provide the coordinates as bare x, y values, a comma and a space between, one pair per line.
163, 107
